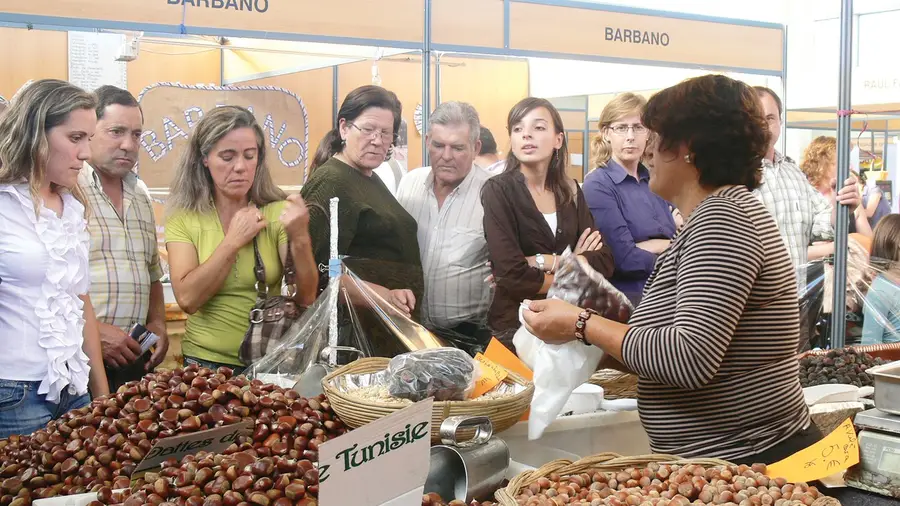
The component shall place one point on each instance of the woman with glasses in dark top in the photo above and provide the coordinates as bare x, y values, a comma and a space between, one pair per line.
376, 232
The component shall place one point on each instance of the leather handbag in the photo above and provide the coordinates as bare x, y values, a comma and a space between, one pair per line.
272, 317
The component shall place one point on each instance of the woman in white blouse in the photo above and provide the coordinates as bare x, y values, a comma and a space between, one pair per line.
49, 338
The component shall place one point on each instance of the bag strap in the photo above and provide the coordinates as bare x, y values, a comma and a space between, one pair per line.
259, 269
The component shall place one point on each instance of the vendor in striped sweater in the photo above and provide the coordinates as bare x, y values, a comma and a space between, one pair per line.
714, 338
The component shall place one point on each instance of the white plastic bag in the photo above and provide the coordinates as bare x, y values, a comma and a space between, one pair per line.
560, 368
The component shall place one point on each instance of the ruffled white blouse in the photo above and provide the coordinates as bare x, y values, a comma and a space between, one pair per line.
43, 270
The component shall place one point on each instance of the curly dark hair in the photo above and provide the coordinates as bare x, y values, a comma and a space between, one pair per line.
721, 122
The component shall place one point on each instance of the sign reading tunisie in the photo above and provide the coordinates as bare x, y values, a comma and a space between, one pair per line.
171, 111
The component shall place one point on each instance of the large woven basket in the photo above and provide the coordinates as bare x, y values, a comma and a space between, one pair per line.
888, 352
616, 384
606, 462
355, 412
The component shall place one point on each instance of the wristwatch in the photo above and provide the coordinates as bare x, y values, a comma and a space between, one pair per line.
539, 258
581, 325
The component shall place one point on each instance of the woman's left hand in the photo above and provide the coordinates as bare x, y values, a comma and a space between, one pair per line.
551, 320
295, 218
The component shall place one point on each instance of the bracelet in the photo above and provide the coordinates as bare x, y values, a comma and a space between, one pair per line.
553, 269
581, 325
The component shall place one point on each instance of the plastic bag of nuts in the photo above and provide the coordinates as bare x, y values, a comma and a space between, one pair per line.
100, 445
447, 374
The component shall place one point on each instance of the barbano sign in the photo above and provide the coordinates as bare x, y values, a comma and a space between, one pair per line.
171, 112
258, 6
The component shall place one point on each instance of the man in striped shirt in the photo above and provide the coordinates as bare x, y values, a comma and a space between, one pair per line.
124, 256
445, 200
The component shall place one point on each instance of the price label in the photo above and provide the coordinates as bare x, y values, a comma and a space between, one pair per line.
491, 376
836, 452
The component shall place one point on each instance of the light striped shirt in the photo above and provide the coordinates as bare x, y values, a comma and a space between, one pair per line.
124, 255
715, 337
803, 215
452, 245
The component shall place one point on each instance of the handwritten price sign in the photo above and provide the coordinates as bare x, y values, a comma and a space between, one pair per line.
838, 451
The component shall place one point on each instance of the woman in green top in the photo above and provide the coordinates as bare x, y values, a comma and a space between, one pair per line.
223, 197
376, 232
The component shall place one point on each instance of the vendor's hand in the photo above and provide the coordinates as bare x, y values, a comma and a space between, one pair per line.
119, 349
161, 347
589, 241
244, 226
404, 300
849, 194
551, 320
295, 218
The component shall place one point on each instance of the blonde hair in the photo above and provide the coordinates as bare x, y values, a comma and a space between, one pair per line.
24, 147
192, 189
619, 107
818, 159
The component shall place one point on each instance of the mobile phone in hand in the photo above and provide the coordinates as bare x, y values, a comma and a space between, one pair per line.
144, 337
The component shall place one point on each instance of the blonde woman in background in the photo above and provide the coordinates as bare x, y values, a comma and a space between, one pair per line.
636, 224
49, 337
819, 163
223, 206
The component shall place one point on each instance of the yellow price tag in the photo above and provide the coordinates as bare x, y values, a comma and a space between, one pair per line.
836, 452
491, 376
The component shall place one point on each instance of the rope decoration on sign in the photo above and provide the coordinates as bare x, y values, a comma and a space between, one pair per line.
850, 112
211, 87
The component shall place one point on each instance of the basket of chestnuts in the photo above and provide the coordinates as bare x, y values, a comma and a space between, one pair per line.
610, 479
359, 393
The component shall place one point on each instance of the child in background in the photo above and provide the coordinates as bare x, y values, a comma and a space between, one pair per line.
882, 307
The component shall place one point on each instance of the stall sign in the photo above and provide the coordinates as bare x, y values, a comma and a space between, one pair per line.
212, 441
172, 110
384, 462
836, 452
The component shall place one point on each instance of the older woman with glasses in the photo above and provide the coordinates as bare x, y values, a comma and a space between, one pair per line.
376, 233
636, 224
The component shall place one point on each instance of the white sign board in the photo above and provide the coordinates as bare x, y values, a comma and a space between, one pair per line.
92, 60
384, 462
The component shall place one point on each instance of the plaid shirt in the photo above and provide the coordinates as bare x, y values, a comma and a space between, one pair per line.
124, 255
803, 215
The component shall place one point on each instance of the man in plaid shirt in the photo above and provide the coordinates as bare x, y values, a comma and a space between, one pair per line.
802, 213
124, 257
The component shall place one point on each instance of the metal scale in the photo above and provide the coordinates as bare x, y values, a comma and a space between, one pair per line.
879, 437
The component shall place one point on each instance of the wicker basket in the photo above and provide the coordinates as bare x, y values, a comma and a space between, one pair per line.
889, 352
606, 462
355, 412
616, 384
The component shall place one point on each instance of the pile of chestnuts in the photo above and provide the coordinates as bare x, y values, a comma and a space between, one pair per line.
238, 478
669, 485
99, 445
845, 366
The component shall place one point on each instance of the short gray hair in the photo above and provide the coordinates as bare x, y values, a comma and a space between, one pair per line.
457, 113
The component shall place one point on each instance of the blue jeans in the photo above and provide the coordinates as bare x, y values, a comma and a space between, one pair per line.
238, 370
23, 410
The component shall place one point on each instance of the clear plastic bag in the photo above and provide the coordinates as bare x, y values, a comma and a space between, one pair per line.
364, 325
447, 374
872, 300
560, 369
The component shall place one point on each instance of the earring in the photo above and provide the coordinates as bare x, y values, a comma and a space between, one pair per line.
687, 159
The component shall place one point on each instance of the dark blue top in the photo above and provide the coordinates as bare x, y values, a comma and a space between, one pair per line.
627, 212
883, 208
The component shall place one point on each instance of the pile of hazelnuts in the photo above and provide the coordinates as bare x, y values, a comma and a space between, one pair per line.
669, 485
205, 479
100, 445
435, 499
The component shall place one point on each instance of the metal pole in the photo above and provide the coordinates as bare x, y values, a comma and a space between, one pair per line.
437, 79
334, 96
426, 81
884, 151
842, 221
586, 145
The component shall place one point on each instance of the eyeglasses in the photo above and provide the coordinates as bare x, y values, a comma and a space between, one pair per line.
623, 129
372, 132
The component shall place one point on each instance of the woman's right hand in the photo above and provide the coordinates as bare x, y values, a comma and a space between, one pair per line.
244, 226
589, 241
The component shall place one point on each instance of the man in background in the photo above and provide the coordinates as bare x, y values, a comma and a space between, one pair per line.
445, 200
488, 157
124, 256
